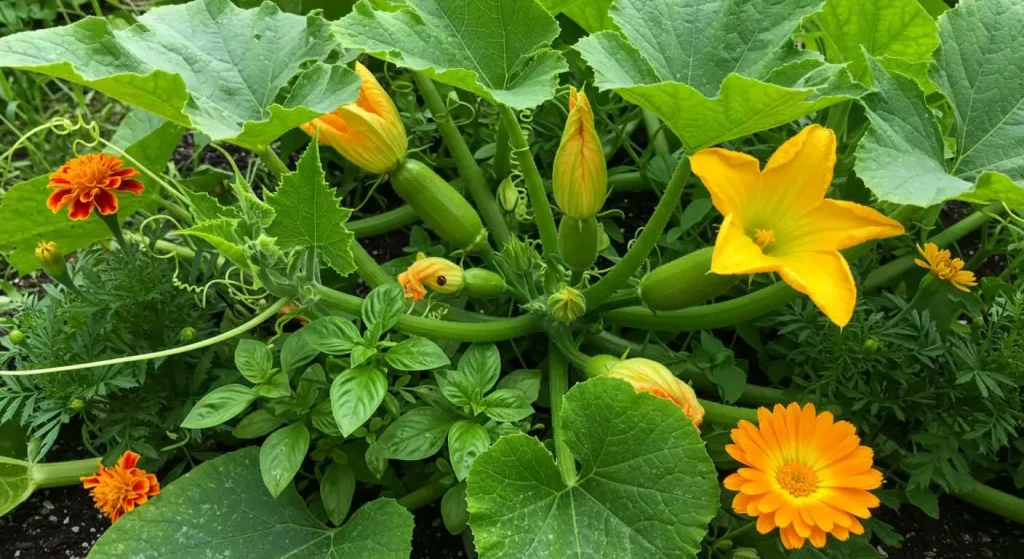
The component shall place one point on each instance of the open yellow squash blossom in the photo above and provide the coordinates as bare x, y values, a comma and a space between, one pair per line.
804, 473
654, 378
439, 274
368, 132
778, 219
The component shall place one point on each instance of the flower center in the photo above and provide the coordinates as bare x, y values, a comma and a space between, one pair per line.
764, 238
797, 479
87, 173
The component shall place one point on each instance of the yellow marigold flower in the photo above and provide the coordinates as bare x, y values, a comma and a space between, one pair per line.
440, 274
778, 219
805, 473
368, 132
945, 268
580, 178
653, 377
89, 181
121, 488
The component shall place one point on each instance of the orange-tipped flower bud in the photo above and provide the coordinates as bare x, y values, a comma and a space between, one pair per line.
439, 274
51, 258
650, 376
368, 132
580, 178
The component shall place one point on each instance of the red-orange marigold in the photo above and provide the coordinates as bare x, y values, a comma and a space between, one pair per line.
122, 487
89, 181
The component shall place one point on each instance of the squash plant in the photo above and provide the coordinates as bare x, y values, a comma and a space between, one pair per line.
526, 373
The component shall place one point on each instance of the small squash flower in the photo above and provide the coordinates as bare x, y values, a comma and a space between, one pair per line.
89, 181
368, 132
805, 474
653, 377
122, 487
567, 304
939, 263
439, 274
778, 219
580, 178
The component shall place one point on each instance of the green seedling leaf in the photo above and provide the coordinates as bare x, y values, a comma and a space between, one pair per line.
281, 456
418, 434
496, 49
308, 214
355, 396
633, 448
242, 76
714, 71
416, 354
219, 406
220, 509
25, 220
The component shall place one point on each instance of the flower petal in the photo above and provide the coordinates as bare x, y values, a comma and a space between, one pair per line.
799, 173
836, 225
106, 201
736, 253
825, 277
731, 177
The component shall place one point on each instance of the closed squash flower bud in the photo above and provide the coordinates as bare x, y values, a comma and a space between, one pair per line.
567, 305
368, 132
653, 377
439, 274
51, 258
580, 179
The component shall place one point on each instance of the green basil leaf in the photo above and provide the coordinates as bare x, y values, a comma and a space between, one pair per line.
277, 386
219, 406
481, 363
296, 352
257, 424
416, 354
454, 511
281, 456
337, 487
383, 306
526, 381
418, 434
254, 360
361, 354
355, 396
466, 441
458, 389
332, 335
507, 405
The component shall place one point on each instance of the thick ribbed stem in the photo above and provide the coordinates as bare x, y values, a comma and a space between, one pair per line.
423, 496
60, 474
534, 183
642, 246
383, 222
558, 385
476, 184
705, 317
367, 267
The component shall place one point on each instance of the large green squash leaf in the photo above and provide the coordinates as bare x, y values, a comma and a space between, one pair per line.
980, 69
714, 70
900, 30
222, 509
207, 65
497, 49
647, 487
25, 220
15, 475
591, 15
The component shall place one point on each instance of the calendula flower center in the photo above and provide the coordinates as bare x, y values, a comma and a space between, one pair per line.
797, 479
764, 238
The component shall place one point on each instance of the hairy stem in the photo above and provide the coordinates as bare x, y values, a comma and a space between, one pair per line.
273, 162
558, 384
471, 173
656, 133
534, 183
642, 246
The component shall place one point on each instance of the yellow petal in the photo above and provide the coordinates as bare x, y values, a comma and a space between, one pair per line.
836, 225
731, 177
580, 178
824, 277
736, 253
373, 97
799, 173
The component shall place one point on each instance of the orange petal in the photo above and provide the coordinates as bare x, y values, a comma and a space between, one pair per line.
765, 523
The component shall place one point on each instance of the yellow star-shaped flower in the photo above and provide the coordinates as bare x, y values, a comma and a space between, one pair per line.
778, 219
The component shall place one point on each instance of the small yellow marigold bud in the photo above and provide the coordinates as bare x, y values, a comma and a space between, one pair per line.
567, 305
368, 132
580, 179
51, 258
439, 274
653, 377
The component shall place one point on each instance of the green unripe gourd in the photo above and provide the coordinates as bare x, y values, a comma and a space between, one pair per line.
481, 284
439, 205
684, 282
578, 241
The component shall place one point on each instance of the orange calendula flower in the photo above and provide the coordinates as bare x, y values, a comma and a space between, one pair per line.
580, 178
89, 181
806, 474
439, 274
121, 488
653, 377
778, 219
945, 268
368, 132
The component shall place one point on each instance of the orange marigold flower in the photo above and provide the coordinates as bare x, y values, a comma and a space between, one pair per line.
89, 181
806, 474
121, 488
945, 268
440, 274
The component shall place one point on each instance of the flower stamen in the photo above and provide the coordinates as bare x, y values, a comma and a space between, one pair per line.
797, 479
764, 237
